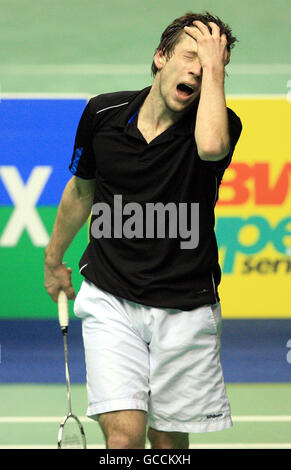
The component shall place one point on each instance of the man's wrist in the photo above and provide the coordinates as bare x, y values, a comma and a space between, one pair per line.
215, 71
51, 260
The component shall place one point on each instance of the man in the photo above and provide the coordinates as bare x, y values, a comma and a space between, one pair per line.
150, 163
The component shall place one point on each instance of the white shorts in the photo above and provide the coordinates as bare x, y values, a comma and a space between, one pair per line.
165, 362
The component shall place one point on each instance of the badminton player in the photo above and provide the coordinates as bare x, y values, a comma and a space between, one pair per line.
147, 165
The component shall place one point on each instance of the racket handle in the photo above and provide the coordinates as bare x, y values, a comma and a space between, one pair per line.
63, 311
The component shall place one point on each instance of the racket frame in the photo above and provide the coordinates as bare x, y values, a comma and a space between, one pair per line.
61, 429
64, 324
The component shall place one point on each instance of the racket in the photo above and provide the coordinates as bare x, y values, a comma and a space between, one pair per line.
71, 433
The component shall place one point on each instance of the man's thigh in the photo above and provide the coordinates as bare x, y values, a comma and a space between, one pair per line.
186, 378
117, 359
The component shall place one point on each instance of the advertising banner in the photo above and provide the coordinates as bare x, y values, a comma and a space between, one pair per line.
253, 214
36, 142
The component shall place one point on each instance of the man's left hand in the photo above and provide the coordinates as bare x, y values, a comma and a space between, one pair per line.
211, 46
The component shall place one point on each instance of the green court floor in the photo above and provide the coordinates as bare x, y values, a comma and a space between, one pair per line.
30, 416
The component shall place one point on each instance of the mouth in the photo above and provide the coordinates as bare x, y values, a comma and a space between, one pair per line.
185, 91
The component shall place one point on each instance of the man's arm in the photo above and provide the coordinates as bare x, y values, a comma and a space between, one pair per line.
211, 130
73, 211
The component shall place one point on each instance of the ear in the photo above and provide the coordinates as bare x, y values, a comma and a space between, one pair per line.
159, 59
227, 54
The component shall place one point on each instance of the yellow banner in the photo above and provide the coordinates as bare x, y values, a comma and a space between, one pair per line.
253, 215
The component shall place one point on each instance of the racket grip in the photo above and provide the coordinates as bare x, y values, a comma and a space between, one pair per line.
63, 310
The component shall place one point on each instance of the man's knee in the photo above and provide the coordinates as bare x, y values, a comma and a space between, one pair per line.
168, 440
124, 429
122, 439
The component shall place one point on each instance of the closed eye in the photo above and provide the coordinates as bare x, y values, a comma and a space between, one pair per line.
190, 57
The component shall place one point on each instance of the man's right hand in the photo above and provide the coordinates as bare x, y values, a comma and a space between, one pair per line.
58, 277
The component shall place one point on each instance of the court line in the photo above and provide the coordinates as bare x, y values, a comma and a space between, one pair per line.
48, 95
257, 96
237, 445
45, 95
262, 419
57, 419
129, 69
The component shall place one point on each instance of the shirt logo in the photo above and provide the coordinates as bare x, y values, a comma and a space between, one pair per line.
214, 416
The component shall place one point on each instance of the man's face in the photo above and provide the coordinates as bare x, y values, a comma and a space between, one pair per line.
180, 75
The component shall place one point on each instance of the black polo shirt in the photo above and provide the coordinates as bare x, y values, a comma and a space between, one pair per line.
154, 271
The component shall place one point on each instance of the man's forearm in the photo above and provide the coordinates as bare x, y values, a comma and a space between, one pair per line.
73, 211
211, 131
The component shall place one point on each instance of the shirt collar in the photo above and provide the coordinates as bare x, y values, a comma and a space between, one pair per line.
182, 127
134, 105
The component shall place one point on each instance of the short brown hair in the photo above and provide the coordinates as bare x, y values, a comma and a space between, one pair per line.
172, 33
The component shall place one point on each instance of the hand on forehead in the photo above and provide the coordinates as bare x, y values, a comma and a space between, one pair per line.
210, 33
200, 29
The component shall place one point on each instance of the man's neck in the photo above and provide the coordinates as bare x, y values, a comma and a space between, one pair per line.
154, 113
154, 116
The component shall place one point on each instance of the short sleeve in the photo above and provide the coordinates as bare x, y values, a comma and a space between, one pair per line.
83, 160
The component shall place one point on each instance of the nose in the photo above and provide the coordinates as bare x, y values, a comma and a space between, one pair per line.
196, 68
